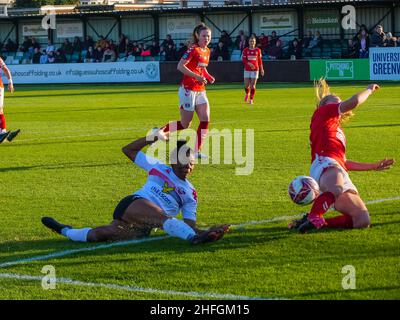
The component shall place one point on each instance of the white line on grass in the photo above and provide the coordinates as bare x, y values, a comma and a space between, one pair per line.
125, 243
207, 295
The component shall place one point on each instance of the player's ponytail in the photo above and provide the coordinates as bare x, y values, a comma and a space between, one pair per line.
323, 94
322, 91
196, 32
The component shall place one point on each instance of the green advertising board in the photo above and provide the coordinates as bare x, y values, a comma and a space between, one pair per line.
341, 69
321, 20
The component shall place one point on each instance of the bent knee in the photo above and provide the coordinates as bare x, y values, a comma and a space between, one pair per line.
361, 220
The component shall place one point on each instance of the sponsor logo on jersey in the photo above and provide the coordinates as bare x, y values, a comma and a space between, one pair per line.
160, 194
167, 188
180, 191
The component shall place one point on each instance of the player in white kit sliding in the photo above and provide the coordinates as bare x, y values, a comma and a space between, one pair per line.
165, 193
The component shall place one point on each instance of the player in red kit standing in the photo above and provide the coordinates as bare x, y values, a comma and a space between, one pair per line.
330, 167
192, 94
10, 135
253, 65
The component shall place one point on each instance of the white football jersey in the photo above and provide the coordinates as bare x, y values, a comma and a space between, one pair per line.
165, 189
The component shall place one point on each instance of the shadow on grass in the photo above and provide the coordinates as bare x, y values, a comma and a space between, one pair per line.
232, 241
60, 166
58, 142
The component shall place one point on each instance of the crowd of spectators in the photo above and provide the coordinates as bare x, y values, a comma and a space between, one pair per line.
273, 47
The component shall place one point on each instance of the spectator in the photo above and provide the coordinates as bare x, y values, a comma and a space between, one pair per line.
170, 53
378, 37
67, 47
242, 43
88, 43
26, 45
295, 50
162, 52
36, 56
225, 39
50, 47
109, 54
90, 55
167, 41
181, 51
98, 54
10, 46
239, 39
112, 45
123, 43
102, 42
352, 50
307, 39
50, 57
44, 57
35, 45
60, 56
316, 42
129, 47
154, 49
274, 38
363, 41
145, 51
77, 46
136, 50
390, 41
220, 53
275, 51
263, 42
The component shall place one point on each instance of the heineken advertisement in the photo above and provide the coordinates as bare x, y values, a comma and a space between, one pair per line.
348, 69
320, 20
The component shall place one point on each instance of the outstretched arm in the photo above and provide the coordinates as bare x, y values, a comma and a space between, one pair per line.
357, 99
360, 166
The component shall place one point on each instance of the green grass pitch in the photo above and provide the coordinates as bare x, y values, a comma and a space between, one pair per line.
67, 163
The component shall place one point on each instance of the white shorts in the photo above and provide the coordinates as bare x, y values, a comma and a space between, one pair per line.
251, 74
1, 98
321, 163
188, 99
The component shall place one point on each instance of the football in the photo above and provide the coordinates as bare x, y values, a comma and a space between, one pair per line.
303, 190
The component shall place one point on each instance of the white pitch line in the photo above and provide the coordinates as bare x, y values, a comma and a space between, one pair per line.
125, 243
194, 294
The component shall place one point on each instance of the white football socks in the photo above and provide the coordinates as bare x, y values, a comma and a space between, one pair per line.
177, 228
76, 234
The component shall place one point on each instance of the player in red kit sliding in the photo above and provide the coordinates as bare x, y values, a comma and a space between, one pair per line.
253, 66
10, 135
192, 94
330, 167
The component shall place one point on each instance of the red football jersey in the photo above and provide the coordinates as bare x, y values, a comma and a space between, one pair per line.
253, 56
198, 59
327, 137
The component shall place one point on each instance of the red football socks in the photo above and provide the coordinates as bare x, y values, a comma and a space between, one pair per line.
247, 90
320, 207
340, 222
202, 132
2, 122
173, 126
252, 93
